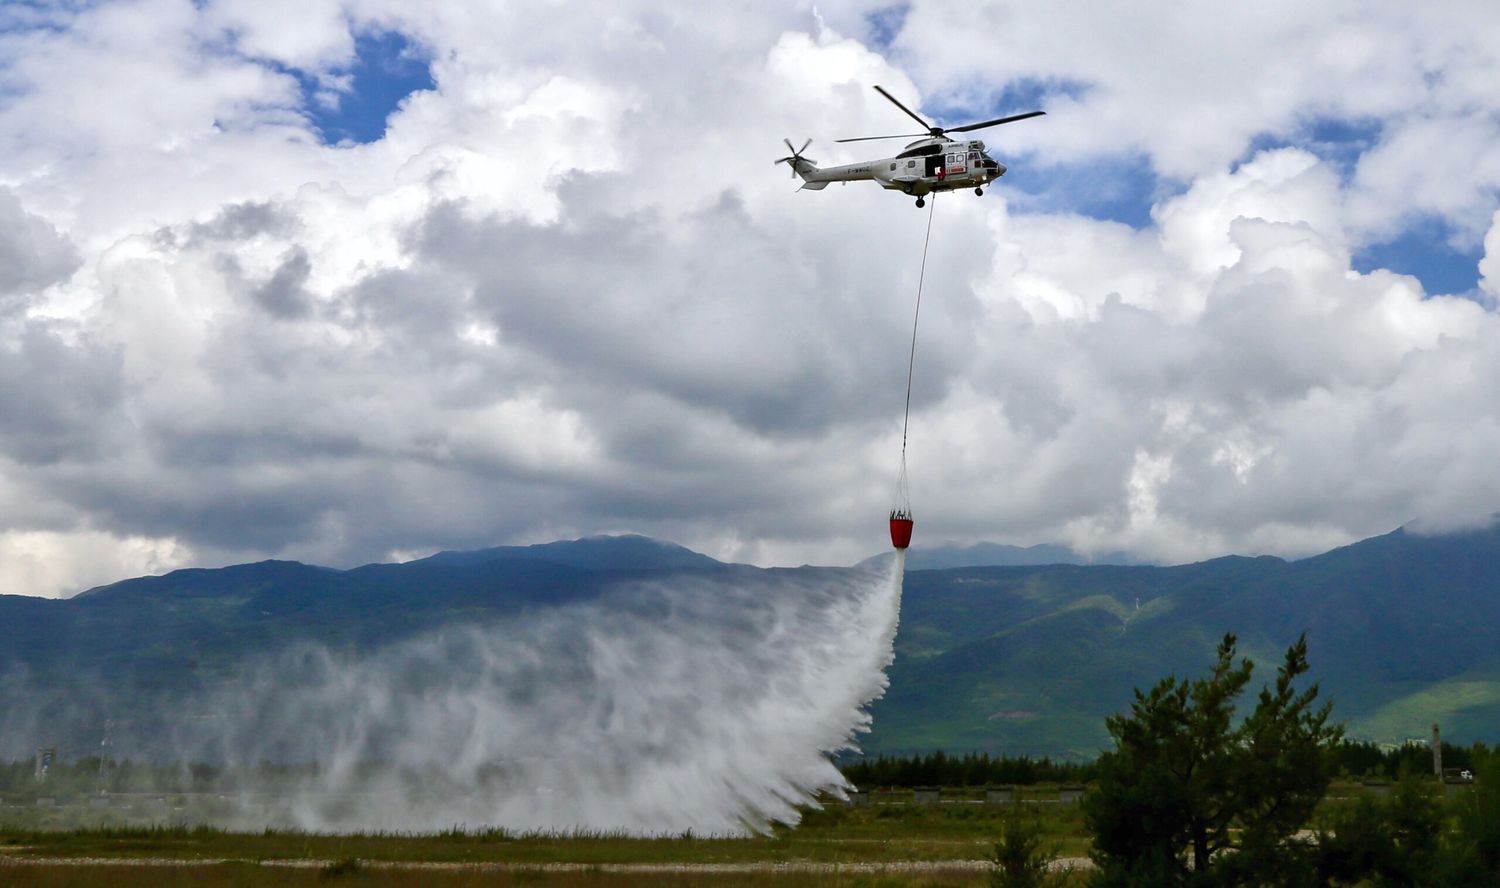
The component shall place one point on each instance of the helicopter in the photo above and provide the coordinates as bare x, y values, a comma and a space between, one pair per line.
932, 163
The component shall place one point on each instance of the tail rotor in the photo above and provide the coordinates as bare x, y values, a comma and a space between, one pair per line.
792, 160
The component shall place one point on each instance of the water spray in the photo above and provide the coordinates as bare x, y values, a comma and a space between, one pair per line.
705, 700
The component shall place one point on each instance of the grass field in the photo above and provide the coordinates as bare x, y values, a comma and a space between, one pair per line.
877, 845
941, 845
250, 875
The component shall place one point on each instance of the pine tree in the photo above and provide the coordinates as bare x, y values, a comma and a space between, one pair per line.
1189, 796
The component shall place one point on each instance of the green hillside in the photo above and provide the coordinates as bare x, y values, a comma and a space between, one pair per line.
1404, 630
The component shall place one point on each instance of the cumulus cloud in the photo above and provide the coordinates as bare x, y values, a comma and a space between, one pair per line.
33, 254
568, 293
59, 395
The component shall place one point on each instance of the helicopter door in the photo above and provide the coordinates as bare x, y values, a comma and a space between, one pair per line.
957, 166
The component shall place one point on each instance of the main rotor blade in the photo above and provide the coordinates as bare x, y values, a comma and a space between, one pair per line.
873, 138
925, 125
996, 122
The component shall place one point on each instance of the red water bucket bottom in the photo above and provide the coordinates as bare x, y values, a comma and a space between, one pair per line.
901, 526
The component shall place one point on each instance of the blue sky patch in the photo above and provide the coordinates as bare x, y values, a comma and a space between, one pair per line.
959, 107
1119, 188
387, 68
885, 23
1338, 143
1425, 251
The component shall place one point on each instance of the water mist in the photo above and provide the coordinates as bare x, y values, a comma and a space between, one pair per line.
696, 701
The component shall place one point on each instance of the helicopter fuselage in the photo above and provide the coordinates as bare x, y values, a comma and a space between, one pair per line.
924, 166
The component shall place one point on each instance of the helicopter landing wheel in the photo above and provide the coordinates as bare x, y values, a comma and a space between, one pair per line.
921, 202
979, 192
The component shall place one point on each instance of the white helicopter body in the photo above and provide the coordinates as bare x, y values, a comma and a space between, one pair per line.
925, 166
932, 163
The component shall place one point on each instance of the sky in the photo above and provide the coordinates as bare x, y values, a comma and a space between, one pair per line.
346, 281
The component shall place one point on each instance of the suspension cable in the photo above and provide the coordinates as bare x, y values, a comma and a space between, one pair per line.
911, 360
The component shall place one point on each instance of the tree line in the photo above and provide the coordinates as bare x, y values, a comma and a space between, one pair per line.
1352, 760
970, 769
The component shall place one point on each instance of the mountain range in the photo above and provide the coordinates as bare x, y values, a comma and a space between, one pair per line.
1403, 630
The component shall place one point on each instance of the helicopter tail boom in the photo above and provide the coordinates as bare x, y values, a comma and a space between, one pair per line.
813, 178
816, 178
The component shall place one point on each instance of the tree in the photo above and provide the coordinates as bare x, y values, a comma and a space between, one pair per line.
1388, 842
1019, 858
1479, 816
1190, 797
